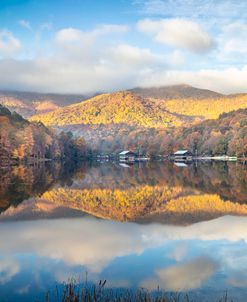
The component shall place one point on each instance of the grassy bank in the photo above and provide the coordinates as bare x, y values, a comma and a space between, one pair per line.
74, 292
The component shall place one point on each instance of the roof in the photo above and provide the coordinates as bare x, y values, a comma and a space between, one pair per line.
180, 164
125, 152
181, 152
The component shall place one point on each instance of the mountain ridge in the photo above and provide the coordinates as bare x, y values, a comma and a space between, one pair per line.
114, 108
32, 103
176, 91
131, 108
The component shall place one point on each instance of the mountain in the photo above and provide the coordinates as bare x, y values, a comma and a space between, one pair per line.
121, 107
225, 135
176, 92
125, 120
31, 103
179, 99
132, 109
24, 141
21, 140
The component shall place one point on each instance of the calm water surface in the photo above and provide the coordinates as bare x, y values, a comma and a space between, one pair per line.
182, 228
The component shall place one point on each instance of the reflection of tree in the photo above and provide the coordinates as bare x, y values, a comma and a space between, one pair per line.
109, 190
225, 179
22, 182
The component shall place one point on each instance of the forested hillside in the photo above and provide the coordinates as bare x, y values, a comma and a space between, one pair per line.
206, 108
116, 108
21, 140
31, 103
226, 135
155, 121
132, 109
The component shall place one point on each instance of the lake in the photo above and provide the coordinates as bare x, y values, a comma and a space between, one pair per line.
180, 227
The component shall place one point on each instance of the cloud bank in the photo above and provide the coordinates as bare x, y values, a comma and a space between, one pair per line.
178, 33
104, 59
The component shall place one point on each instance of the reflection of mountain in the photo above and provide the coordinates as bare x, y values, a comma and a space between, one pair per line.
148, 192
143, 204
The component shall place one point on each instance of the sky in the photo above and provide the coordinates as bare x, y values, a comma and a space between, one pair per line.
89, 46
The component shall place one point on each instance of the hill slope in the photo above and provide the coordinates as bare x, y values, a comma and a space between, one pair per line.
179, 99
30, 103
116, 108
226, 135
124, 120
132, 109
21, 140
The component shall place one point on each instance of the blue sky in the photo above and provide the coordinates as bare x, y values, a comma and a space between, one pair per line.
84, 46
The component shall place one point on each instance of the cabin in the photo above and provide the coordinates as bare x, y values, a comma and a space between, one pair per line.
182, 155
127, 156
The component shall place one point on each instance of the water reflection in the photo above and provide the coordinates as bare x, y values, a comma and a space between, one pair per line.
155, 191
172, 245
205, 258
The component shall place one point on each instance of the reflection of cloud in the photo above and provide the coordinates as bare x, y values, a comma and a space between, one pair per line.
118, 283
94, 243
8, 269
23, 290
186, 276
238, 279
90, 242
231, 228
179, 252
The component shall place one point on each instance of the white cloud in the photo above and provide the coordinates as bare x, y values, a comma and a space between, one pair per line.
25, 24
88, 61
227, 80
178, 33
85, 71
234, 39
183, 277
68, 35
9, 44
128, 56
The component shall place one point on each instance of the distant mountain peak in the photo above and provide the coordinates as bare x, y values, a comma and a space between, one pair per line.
178, 91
